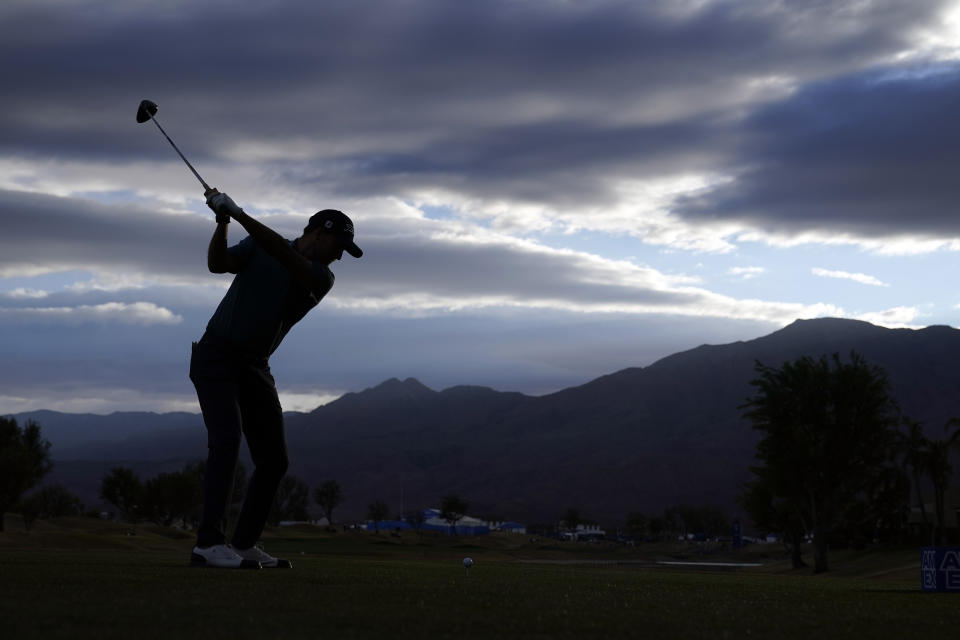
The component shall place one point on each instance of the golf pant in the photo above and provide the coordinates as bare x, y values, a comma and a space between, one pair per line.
237, 396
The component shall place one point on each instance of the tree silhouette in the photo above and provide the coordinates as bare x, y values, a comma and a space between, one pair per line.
637, 525
50, 501
775, 514
571, 520
452, 509
829, 435
377, 512
24, 460
328, 495
940, 470
657, 526
417, 520
122, 488
914, 447
169, 498
291, 501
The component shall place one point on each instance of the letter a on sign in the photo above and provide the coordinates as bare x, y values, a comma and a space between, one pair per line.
950, 562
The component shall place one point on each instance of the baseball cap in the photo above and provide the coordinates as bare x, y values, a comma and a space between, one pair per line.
337, 223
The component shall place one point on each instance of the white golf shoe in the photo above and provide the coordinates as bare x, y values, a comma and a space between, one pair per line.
267, 561
221, 556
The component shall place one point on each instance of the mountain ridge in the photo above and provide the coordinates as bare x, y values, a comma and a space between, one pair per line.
637, 439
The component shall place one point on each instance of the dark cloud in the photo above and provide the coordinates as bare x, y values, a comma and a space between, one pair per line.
474, 271
541, 101
871, 155
561, 163
73, 233
76, 234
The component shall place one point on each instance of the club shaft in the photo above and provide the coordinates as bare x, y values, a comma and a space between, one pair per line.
206, 187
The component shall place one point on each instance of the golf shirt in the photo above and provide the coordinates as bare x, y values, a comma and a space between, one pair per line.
263, 302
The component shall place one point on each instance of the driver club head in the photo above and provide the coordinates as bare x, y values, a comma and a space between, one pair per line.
146, 110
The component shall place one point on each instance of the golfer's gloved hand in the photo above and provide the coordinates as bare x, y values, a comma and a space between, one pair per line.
222, 205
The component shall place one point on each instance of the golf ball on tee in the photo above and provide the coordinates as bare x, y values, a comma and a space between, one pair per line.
468, 562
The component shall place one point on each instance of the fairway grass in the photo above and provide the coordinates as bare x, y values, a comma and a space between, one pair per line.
140, 586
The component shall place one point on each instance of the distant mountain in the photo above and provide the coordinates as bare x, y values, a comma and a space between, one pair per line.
638, 439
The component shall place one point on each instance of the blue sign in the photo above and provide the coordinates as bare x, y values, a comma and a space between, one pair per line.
940, 569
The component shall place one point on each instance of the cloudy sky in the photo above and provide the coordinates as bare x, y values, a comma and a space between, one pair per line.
546, 191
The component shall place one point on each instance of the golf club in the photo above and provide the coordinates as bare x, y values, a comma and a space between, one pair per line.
146, 111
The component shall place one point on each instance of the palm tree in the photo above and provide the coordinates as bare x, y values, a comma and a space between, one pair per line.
940, 470
914, 445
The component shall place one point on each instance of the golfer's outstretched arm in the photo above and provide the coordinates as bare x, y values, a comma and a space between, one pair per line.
278, 247
219, 259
